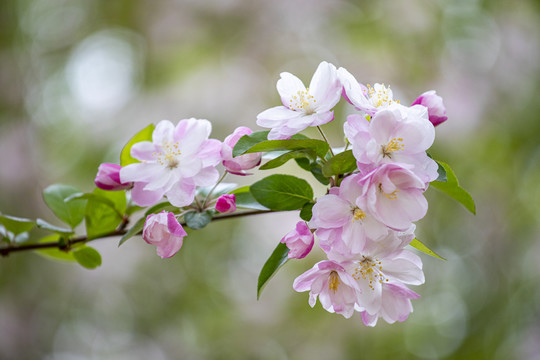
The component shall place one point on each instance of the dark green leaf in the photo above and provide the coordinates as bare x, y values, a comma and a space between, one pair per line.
318, 146
280, 160
247, 141
54, 253
71, 212
305, 212
197, 220
451, 188
271, 266
340, 164
304, 163
16, 225
316, 171
133, 231
100, 217
442, 172
143, 135
164, 206
417, 244
42, 224
131, 209
282, 192
87, 257
244, 199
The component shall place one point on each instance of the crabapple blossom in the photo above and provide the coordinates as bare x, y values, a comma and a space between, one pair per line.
368, 99
394, 135
226, 203
299, 241
336, 288
302, 107
343, 221
393, 194
178, 159
395, 305
108, 178
434, 104
237, 165
165, 232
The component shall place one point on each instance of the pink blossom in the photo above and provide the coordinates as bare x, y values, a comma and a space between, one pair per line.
302, 107
165, 232
393, 194
108, 178
177, 160
299, 241
396, 134
237, 165
395, 305
226, 203
435, 106
337, 290
367, 99
343, 221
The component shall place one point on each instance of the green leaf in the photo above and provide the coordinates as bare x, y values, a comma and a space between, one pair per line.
71, 212
143, 135
16, 225
316, 171
100, 217
54, 253
318, 146
271, 266
197, 220
164, 206
282, 192
42, 224
133, 231
451, 188
340, 164
248, 141
296, 154
247, 201
418, 245
306, 211
442, 172
87, 257
96, 197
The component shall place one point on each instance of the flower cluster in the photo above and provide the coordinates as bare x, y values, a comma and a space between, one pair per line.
364, 221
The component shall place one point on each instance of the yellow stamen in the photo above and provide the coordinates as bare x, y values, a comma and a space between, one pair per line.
333, 281
396, 144
358, 214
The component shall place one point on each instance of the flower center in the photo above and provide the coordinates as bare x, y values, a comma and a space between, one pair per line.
358, 214
380, 96
333, 281
391, 196
396, 144
303, 101
169, 155
371, 270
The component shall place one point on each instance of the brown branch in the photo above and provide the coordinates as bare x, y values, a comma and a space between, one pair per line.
65, 245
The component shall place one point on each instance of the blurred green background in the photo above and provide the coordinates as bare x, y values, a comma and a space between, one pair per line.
79, 78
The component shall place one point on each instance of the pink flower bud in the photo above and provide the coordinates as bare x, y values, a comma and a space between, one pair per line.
238, 164
165, 232
108, 178
435, 106
299, 241
226, 203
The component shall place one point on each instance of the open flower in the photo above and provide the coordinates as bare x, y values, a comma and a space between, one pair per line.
165, 232
299, 241
176, 161
237, 165
302, 107
337, 290
435, 106
395, 305
108, 178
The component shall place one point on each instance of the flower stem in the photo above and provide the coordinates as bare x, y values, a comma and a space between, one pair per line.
212, 190
325, 139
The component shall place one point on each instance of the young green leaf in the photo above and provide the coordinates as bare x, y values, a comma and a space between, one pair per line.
198, 220
282, 192
143, 135
295, 154
42, 224
306, 211
16, 225
318, 146
247, 141
451, 188
417, 244
71, 212
54, 253
133, 231
247, 201
100, 217
271, 266
87, 257
340, 164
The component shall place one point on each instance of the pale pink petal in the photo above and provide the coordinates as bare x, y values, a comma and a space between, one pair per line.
143, 150
288, 86
143, 197
163, 133
182, 194
191, 134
